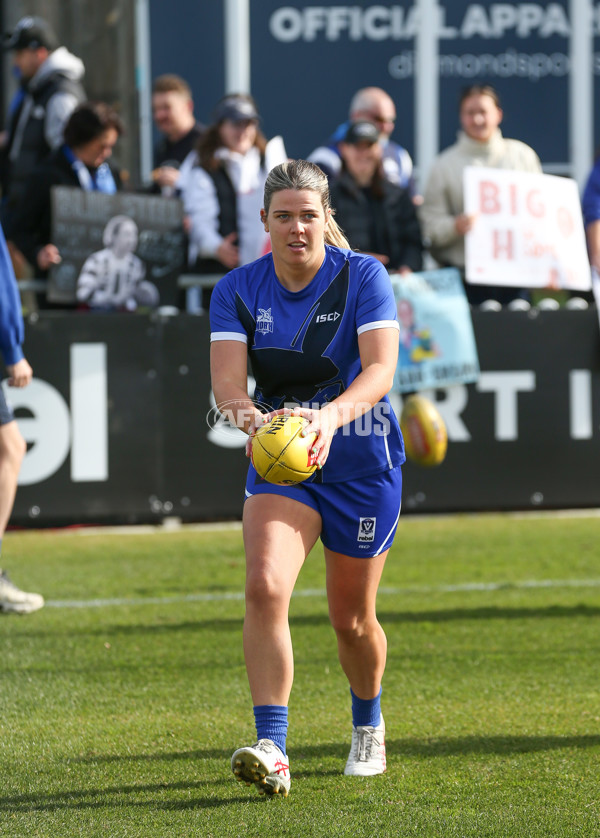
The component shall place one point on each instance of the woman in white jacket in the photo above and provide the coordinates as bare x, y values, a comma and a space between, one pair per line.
224, 191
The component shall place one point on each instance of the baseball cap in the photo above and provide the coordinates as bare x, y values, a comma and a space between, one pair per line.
361, 132
30, 33
237, 108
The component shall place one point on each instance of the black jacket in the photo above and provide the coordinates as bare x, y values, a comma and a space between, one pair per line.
61, 73
386, 225
32, 224
227, 198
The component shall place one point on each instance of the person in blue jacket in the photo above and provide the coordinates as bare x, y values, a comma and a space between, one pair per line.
12, 444
318, 323
376, 106
591, 214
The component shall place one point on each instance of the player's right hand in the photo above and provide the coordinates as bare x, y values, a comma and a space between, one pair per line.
19, 374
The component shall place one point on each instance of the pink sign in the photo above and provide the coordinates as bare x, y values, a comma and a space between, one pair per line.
528, 230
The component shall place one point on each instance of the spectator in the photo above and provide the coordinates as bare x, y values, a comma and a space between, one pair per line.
373, 105
173, 112
89, 138
224, 193
114, 278
12, 444
52, 85
480, 143
591, 214
377, 216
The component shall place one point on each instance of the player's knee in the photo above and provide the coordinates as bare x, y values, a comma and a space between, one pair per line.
263, 591
13, 448
348, 626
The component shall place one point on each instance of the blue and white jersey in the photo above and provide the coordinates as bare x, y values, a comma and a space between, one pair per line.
303, 347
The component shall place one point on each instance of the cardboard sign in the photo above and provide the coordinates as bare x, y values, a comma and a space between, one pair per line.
437, 344
528, 231
119, 252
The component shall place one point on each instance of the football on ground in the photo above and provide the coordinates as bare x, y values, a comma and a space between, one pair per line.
424, 431
280, 454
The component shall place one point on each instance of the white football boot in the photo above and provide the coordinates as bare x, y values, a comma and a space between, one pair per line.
367, 752
265, 765
15, 601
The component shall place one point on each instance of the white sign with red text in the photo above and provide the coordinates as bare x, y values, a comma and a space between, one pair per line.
528, 230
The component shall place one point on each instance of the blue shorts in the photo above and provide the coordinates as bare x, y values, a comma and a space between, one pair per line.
6, 414
359, 517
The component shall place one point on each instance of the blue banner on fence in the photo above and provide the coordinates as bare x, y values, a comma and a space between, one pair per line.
437, 343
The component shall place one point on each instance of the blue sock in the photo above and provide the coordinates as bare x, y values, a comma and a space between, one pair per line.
366, 711
272, 723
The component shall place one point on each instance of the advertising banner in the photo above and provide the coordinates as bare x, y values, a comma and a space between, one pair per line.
522, 49
525, 436
528, 230
121, 424
437, 344
91, 418
119, 252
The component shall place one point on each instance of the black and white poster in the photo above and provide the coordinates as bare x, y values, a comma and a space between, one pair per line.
121, 252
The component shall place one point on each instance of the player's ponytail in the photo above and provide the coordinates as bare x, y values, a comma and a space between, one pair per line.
300, 174
334, 234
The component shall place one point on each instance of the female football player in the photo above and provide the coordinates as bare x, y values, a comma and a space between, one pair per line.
318, 323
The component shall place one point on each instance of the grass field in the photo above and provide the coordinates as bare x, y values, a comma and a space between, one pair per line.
122, 700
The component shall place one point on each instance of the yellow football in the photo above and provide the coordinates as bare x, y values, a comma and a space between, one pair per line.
424, 431
280, 454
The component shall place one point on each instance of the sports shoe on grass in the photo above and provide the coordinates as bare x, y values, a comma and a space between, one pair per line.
265, 765
367, 752
15, 601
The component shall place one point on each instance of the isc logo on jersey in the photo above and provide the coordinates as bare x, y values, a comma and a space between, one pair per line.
328, 318
366, 529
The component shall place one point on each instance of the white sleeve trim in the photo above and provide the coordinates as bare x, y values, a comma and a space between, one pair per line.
378, 324
228, 336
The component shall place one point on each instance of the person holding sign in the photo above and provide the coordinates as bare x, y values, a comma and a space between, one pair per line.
479, 143
81, 161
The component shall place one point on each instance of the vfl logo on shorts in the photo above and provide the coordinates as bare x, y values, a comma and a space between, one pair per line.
366, 529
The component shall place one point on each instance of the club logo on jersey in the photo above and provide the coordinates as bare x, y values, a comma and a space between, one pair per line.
366, 529
264, 321
282, 369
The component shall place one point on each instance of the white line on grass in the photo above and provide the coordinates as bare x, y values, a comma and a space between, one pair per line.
320, 592
172, 525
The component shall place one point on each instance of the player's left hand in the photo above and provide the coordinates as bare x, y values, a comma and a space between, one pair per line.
323, 423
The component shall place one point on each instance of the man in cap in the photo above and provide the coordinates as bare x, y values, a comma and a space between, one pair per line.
51, 79
370, 104
376, 215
